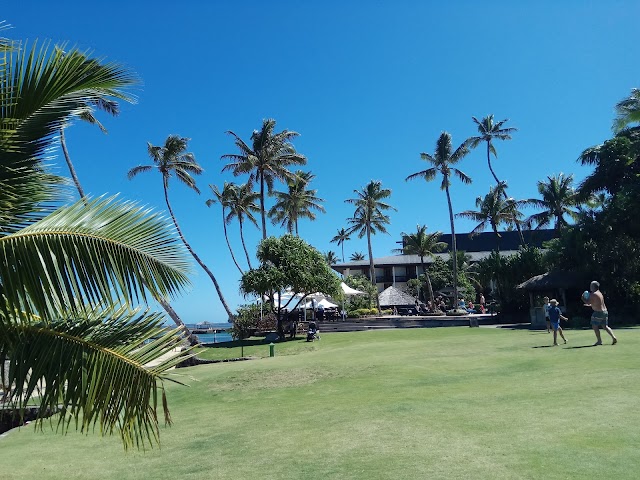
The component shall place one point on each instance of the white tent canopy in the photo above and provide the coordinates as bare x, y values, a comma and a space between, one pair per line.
347, 290
324, 302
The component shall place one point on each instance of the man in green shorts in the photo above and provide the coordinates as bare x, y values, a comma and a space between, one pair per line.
600, 316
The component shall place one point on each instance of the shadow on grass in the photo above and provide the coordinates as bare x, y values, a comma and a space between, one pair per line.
582, 346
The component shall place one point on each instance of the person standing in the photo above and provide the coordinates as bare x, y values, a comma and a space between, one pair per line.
600, 315
546, 307
481, 300
555, 315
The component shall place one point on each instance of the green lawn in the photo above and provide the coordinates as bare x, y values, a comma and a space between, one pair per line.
396, 404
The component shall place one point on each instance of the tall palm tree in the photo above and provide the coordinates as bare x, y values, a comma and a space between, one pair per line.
242, 205
357, 256
558, 199
265, 161
490, 131
442, 162
493, 210
627, 111
369, 218
424, 245
83, 268
331, 258
172, 159
224, 199
340, 238
298, 202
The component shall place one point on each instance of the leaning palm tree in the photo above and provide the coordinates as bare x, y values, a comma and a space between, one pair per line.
172, 159
558, 199
71, 277
296, 203
493, 210
340, 238
242, 205
369, 218
265, 161
627, 111
224, 199
357, 256
442, 162
87, 114
424, 245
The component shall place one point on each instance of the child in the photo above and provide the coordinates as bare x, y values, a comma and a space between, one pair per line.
546, 307
554, 318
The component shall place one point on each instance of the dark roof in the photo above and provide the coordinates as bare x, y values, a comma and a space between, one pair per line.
551, 280
486, 241
393, 296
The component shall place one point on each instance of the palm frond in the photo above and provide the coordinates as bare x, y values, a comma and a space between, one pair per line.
87, 254
95, 368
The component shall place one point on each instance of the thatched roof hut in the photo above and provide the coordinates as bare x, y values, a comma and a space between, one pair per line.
394, 297
554, 284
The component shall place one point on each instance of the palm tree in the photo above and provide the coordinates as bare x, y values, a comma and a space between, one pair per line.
340, 238
493, 210
82, 269
242, 205
627, 111
558, 199
357, 256
298, 202
369, 218
424, 245
442, 162
87, 114
224, 199
173, 159
266, 160
490, 131
331, 258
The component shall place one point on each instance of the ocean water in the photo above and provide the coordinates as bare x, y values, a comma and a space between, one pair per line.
212, 337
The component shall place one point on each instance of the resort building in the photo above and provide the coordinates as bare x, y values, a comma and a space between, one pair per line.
396, 270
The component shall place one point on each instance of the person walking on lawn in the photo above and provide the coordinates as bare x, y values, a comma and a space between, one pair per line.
555, 315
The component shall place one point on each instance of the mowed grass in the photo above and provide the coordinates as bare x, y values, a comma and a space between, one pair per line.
405, 404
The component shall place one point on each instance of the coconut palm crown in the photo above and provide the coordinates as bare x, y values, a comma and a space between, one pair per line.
265, 161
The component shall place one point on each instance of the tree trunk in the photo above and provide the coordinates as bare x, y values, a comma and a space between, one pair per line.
453, 246
372, 270
262, 208
191, 338
72, 170
226, 237
429, 286
504, 193
197, 259
244, 245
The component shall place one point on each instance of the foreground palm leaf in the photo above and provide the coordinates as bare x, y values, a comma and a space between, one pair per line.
68, 282
40, 88
86, 255
92, 370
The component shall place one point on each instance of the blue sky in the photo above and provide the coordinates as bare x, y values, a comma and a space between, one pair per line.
368, 85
